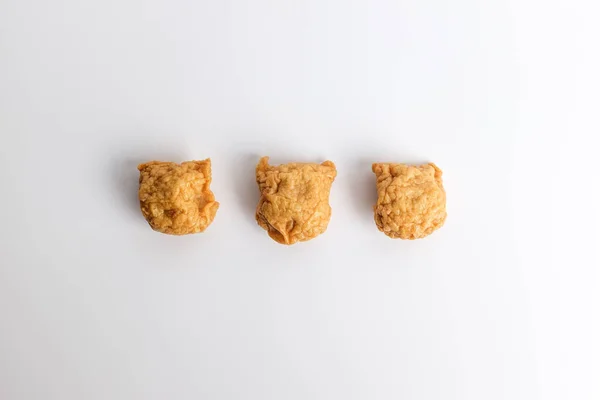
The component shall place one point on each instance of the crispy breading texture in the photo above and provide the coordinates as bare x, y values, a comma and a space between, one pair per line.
411, 200
176, 198
294, 202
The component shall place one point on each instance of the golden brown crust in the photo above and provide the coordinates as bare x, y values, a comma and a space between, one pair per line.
411, 200
176, 198
294, 202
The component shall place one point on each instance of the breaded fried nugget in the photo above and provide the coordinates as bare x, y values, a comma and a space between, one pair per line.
294, 202
176, 198
411, 200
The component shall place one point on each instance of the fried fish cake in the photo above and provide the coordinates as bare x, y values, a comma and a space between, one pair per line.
411, 200
176, 198
294, 202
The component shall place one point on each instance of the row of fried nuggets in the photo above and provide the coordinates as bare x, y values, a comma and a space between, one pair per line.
294, 198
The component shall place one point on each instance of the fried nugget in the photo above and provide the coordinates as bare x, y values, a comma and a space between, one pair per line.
294, 202
176, 198
411, 200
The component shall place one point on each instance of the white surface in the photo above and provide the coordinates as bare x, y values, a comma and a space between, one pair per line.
502, 303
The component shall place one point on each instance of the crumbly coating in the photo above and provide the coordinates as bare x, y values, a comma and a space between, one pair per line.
176, 198
411, 200
294, 202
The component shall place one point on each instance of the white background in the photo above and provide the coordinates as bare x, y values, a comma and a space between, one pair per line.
501, 303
